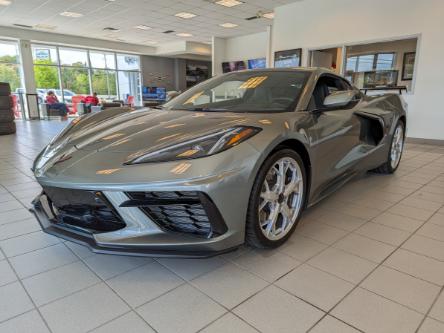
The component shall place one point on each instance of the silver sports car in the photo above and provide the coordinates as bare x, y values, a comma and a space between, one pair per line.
235, 159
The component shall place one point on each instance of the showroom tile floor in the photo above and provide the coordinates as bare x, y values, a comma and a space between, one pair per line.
368, 259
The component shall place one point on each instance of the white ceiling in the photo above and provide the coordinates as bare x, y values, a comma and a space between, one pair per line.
125, 14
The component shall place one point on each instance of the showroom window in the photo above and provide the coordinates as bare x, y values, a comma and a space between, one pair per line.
73, 72
382, 66
11, 72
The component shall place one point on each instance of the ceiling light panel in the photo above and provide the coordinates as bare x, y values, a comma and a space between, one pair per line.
142, 27
269, 16
228, 25
45, 26
71, 14
185, 15
5, 2
184, 34
229, 3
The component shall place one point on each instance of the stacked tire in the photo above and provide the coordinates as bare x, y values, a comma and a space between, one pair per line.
7, 125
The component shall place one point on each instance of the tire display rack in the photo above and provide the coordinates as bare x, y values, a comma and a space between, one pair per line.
7, 124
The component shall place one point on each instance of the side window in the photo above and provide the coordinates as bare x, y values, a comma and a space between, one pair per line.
326, 85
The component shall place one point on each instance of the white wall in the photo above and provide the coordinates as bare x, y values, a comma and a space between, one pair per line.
323, 23
246, 47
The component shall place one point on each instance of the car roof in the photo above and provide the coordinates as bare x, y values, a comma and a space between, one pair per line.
316, 70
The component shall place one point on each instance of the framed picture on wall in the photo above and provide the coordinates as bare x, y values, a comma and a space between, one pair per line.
408, 65
288, 58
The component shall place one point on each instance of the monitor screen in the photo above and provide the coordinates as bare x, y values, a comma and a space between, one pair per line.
153, 93
257, 63
233, 66
288, 58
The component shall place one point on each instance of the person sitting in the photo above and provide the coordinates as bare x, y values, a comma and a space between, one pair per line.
54, 103
90, 101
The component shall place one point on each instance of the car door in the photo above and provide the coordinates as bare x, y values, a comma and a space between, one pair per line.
333, 134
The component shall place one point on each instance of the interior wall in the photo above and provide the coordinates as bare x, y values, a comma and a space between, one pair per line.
321, 24
246, 47
159, 72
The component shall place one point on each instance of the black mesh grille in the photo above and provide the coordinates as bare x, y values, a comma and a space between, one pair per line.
87, 211
186, 211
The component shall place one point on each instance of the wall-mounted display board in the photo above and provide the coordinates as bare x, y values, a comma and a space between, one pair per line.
257, 63
408, 65
288, 58
232, 66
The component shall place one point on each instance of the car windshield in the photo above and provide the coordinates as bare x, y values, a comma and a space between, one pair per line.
249, 91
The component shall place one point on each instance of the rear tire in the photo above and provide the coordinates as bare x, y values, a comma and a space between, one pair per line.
395, 152
276, 200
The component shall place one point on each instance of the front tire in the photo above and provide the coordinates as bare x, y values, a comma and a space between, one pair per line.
277, 200
395, 152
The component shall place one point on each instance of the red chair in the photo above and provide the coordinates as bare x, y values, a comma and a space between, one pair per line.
75, 100
16, 106
130, 100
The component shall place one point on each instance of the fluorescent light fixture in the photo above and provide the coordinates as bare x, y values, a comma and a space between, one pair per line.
71, 14
184, 34
185, 15
269, 16
5, 2
229, 3
142, 27
228, 25
45, 26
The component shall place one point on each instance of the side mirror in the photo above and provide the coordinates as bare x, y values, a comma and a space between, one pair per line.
339, 98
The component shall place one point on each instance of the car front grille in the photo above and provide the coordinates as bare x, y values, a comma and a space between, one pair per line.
187, 212
86, 211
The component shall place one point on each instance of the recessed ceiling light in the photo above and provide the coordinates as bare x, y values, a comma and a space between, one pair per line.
71, 14
5, 2
184, 34
229, 3
269, 16
228, 25
45, 26
185, 15
142, 27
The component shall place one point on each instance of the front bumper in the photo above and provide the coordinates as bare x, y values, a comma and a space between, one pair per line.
225, 178
124, 242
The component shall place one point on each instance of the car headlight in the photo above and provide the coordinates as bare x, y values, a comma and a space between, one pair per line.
202, 146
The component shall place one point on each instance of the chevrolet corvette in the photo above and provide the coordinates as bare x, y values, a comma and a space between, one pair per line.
233, 160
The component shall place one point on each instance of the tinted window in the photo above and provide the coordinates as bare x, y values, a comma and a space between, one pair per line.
253, 91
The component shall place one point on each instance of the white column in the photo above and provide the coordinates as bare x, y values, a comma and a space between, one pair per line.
217, 54
270, 53
28, 78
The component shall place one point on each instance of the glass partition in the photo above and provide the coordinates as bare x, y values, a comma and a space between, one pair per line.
73, 57
11, 72
381, 66
74, 72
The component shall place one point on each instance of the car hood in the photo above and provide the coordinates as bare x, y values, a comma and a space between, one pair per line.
143, 130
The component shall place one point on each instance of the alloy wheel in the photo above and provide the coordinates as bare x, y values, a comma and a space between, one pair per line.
280, 198
397, 146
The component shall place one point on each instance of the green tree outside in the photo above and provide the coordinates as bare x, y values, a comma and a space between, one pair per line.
9, 71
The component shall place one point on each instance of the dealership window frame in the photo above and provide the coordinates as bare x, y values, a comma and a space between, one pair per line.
90, 69
19, 67
307, 51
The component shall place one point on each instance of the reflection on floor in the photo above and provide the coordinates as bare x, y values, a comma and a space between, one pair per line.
370, 258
